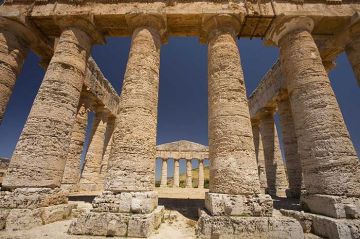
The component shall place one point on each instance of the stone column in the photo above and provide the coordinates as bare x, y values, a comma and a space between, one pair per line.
259, 154
71, 175
234, 200
110, 126
201, 173
90, 176
292, 157
188, 181
14, 45
274, 165
176, 173
330, 164
164, 173
39, 156
130, 180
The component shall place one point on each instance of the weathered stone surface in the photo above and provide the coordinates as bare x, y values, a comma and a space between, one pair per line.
292, 157
71, 175
117, 224
3, 215
248, 227
39, 156
231, 146
305, 219
274, 165
90, 177
329, 161
57, 213
201, 174
260, 158
13, 50
131, 165
134, 202
30, 198
239, 205
176, 173
332, 206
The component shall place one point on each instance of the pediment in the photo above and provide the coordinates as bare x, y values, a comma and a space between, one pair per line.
182, 146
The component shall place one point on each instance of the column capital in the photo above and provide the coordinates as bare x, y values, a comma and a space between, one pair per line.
156, 21
84, 24
219, 23
18, 29
286, 24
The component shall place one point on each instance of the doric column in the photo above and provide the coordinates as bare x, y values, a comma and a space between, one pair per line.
164, 173
329, 161
259, 154
274, 165
201, 173
176, 173
110, 126
130, 194
71, 175
14, 45
292, 157
188, 181
39, 157
90, 176
234, 183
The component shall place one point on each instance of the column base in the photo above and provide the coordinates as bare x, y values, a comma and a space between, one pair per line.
324, 226
239, 205
25, 208
248, 227
331, 206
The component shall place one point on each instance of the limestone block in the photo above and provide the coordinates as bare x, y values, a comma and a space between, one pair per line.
32, 198
57, 213
141, 225
108, 202
305, 219
143, 202
332, 206
20, 219
158, 216
239, 205
248, 227
3, 215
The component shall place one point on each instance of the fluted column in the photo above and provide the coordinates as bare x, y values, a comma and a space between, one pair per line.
233, 167
71, 175
259, 154
164, 173
110, 126
39, 157
274, 165
201, 174
90, 177
176, 173
188, 181
292, 157
14, 46
330, 164
132, 165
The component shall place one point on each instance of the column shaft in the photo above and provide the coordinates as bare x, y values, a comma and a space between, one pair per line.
132, 165
188, 182
274, 165
164, 173
353, 54
329, 161
71, 175
39, 157
90, 177
260, 157
292, 157
233, 167
13, 51
176, 173
201, 174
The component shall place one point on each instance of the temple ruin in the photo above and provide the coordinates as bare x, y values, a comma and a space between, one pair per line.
247, 172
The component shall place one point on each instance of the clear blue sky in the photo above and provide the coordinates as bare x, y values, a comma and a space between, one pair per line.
183, 88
